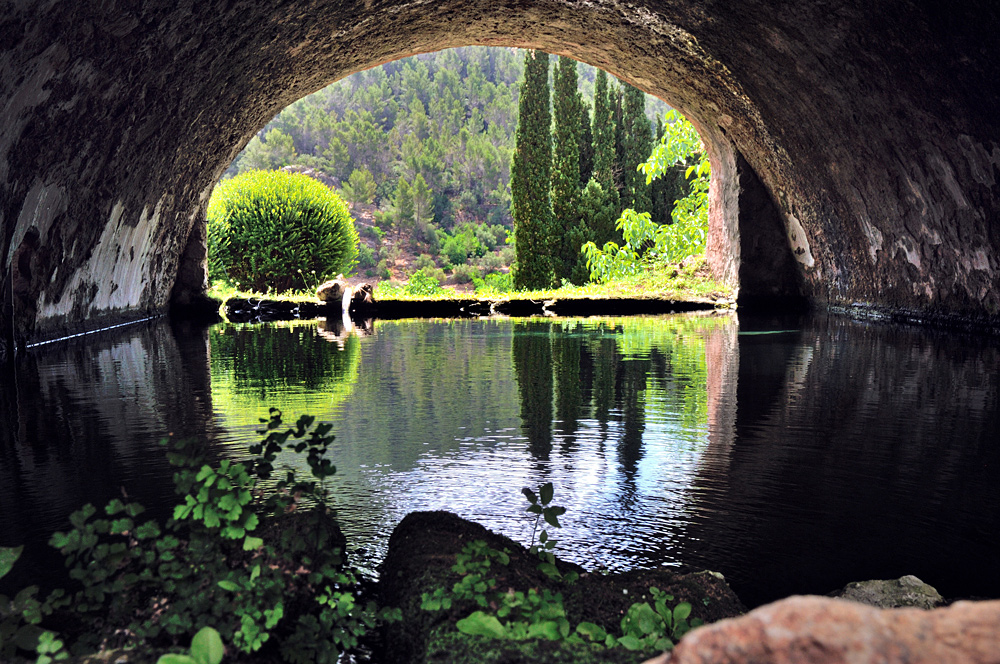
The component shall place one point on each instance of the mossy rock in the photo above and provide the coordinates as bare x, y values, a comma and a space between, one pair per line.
422, 551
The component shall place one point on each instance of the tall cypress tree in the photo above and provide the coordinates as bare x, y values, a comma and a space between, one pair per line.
586, 142
566, 167
604, 132
618, 116
530, 177
638, 145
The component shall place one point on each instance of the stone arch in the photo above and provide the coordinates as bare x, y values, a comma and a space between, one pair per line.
863, 137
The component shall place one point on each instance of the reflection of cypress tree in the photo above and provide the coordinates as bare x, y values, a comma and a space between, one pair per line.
566, 355
631, 392
605, 368
532, 352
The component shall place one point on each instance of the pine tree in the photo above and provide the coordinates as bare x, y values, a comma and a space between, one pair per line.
423, 202
638, 144
403, 206
604, 132
530, 177
566, 167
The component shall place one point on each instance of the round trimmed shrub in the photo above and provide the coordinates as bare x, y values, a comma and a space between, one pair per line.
268, 229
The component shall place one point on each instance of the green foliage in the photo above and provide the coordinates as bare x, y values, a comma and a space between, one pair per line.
266, 226
541, 614
659, 626
275, 151
21, 616
423, 282
206, 648
211, 564
541, 506
530, 178
604, 133
360, 187
647, 240
495, 284
638, 141
566, 110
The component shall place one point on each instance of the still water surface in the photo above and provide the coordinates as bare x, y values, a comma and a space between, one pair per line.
793, 455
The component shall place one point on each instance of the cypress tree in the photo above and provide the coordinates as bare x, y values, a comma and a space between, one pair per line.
586, 142
604, 132
530, 177
638, 143
566, 167
617, 113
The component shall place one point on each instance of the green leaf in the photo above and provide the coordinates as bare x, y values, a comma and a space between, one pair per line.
9, 556
206, 646
547, 629
546, 492
251, 543
630, 642
176, 659
481, 624
592, 631
226, 584
530, 495
682, 611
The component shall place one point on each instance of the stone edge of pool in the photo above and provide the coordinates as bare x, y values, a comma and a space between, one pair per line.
243, 310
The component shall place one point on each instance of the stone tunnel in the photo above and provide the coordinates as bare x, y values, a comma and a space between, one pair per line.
855, 145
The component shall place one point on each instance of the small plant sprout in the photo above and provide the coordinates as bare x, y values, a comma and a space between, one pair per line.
541, 506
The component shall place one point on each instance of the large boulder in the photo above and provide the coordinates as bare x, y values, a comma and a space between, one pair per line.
821, 630
892, 593
422, 551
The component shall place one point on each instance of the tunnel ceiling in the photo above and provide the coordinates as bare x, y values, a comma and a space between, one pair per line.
870, 127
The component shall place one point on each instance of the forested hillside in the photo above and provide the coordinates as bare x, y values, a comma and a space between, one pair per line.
444, 122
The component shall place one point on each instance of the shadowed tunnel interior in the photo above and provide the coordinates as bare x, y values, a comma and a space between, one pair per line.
855, 147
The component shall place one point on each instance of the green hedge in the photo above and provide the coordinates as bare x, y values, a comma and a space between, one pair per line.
271, 230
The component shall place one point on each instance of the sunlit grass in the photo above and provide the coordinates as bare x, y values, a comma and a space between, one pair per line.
688, 281
223, 291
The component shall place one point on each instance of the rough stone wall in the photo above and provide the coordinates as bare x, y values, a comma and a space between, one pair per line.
871, 127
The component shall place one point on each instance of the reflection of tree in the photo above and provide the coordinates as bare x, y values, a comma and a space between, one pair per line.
567, 349
532, 351
251, 364
631, 397
605, 358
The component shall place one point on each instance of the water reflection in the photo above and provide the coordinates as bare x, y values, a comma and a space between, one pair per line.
792, 455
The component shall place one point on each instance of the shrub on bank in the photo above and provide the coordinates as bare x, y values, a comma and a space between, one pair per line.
267, 228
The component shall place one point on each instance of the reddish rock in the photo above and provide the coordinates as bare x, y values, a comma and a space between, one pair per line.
818, 630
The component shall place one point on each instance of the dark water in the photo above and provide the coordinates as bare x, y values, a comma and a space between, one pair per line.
792, 455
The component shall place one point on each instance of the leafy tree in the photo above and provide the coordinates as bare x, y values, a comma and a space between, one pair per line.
566, 168
275, 151
360, 187
530, 177
646, 240
265, 228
